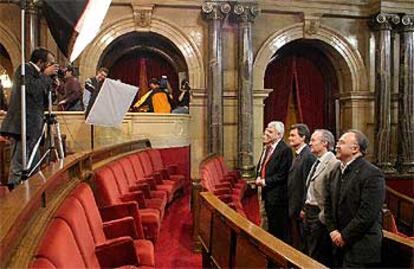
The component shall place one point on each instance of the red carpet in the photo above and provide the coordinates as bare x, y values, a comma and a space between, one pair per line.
174, 246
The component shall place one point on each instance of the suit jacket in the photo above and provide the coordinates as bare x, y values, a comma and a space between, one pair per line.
326, 170
297, 178
353, 207
73, 92
93, 86
37, 86
277, 168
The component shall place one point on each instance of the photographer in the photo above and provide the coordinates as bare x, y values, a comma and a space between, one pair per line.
71, 100
183, 99
92, 87
39, 71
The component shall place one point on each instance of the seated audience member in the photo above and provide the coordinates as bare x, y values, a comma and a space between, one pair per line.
155, 100
353, 205
183, 99
3, 102
92, 88
318, 242
71, 100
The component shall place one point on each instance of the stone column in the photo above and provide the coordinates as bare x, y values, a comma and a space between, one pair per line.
382, 27
245, 15
406, 95
32, 27
215, 12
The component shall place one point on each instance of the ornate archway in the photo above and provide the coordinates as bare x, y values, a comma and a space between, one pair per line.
351, 67
90, 57
12, 46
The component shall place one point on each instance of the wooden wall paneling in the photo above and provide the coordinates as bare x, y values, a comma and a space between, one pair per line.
206, 215
248, 255
220, 242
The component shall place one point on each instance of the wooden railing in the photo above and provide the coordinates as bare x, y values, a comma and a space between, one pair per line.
27, 210
231, 241
402, 207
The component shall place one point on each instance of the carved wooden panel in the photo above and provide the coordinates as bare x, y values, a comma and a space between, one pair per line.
248, 254
220, 242
205, 225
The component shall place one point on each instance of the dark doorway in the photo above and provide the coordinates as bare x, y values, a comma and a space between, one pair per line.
136, 57
304, 86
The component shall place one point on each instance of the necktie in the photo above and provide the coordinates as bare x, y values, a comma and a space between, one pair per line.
265, 157
312, 172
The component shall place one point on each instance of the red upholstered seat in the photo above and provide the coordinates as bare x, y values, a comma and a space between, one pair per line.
111, 253
125, 189
59, 248
137, 182
101, 232
150, 179
168, 171
108, 194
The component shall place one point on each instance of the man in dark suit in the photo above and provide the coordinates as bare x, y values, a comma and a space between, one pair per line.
92, 87
39, 71
298, 137
318, 243
272, 173
353, 204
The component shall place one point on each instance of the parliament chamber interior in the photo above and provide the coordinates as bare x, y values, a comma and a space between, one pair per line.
207, 134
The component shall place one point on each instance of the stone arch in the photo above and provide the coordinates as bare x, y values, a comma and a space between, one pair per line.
337, 48
90, 57
12, 45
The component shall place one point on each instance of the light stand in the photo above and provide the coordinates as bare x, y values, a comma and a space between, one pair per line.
50, 121
23, 89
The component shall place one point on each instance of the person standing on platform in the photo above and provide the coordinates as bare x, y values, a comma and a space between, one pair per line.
92, 87
298, 137
317, 240
71, 101
183, 103
353, 204
273, 170
39, 71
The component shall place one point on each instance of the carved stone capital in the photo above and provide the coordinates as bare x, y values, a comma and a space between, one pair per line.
215, 10
407, 23
142, 14
32, 7
311, 24
246, 12
384, 21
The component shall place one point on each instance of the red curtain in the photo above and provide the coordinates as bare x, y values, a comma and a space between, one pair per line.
295, 73
128, 69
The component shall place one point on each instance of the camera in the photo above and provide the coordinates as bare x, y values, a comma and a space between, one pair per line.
61, 73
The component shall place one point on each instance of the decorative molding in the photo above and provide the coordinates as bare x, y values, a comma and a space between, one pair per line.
142, 14
214, 10
246, 12
407, 23
384, 21
311, 24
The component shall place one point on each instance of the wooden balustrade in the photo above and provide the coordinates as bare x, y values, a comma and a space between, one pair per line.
229, 240
27, 210
402, 207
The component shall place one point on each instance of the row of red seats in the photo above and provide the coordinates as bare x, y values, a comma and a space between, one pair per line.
78, 237
142, 178
226, 184
132, 194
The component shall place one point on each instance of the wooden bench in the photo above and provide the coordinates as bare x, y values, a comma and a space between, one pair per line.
402, 207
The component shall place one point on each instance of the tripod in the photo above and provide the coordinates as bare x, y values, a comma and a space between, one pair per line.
50, 127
